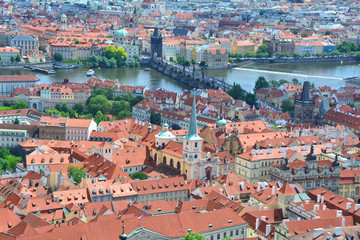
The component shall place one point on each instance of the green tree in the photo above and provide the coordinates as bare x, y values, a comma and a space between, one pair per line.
203, 65
274, 84
237, 92
52, 112
79, 108
193, 236
304, 35
0, 59
181, 59
231, 61
351, 105
16, 121
295, 32
20, 104
18, 58
117, 107
328, 33
135, 100
296, 55
76, 41
99, 103
139, 175
58, 57
77, 174
4, 152
155, 118
249, 55
250, 99
288, 106
261, 83
110, 52
263, 50
99, 117
120, 56
295, 81
123, 114
12, 59
193, 62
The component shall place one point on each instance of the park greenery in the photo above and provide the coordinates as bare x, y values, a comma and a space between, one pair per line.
76, 174
18, 104
7, 160
58, 57
102, 105
111, 58
238, 93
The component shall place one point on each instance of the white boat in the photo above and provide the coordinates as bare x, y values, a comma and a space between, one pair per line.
90, 72
147, 69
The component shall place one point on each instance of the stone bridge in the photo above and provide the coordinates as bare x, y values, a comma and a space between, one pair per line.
187, 76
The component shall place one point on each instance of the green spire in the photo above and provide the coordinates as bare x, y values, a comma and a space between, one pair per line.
193, 124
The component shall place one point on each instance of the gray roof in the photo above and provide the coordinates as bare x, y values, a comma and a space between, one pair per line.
24, 38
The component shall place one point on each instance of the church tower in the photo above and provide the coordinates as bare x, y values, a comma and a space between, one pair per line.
304, 107
192, 144
156, 44
63, 22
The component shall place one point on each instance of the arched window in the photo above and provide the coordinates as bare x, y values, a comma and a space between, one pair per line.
178, 165
164, 159
171, 162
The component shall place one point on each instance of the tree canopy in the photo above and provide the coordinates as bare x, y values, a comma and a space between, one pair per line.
58, 57
77, 174
261, 83
8, 161
99, 103
20, 104
194, 236
139, 175
237, 92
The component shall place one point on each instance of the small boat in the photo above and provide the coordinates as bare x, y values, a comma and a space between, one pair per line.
147, 69
90, 72
51, 71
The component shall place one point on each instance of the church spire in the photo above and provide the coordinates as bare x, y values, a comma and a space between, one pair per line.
193, 124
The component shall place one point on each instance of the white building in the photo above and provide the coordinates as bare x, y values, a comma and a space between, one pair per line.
79, 129
6, 53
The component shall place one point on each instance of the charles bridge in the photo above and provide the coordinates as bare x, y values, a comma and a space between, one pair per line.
187, 75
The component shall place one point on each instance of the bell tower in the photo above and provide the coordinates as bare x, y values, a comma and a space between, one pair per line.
156, 44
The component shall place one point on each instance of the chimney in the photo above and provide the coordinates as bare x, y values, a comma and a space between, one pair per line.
322, 199
339, 213
268, 229
343, 222
318, 198
318, 232
357, 207
260, 206
263, 218
324, 207
257, 224
338, 231
348, 205
316, 207
328, 235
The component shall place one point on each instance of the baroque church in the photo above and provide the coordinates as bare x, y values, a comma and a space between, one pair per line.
189, 157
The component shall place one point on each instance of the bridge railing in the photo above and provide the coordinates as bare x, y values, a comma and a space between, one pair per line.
197, 74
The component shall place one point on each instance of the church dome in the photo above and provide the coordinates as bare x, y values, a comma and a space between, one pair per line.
311, 156
63, 16
221, 123
121, 33
165, 133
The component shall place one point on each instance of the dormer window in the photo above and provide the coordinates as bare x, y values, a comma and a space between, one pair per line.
62, 160
51, 160
42, 160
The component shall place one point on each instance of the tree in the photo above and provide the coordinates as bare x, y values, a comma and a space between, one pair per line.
274, 84
77, 174
79, 108
193, 236
99, 103
117, 107
76, 41
99, 117
231, 61
295, 81
296, 55
287, 106
52, 112
262, 51
139, 175
4, 152
155, 118
58, 57
250, 99
295, 32
123, 114
20, 104
193, 62
181, 59
304, 35
261, 83
203, 65
8, 161
328, 33
18, 58
237, 92
12, 59
351, 105
135, 100
16, 121
0, 59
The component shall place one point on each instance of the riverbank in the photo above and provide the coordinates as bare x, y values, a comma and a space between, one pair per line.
21, 65
240, 62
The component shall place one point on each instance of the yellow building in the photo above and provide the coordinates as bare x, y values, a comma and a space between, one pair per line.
66, 93
241, 47
350, 184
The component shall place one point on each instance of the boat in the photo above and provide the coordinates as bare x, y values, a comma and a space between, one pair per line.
147, 69
65, 66
90, 72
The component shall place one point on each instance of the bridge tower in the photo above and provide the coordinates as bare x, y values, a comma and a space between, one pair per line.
156, 44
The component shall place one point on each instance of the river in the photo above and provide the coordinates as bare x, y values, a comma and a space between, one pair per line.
330, 74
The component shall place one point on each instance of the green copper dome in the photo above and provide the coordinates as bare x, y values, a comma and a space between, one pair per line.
121, 32
221, 123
